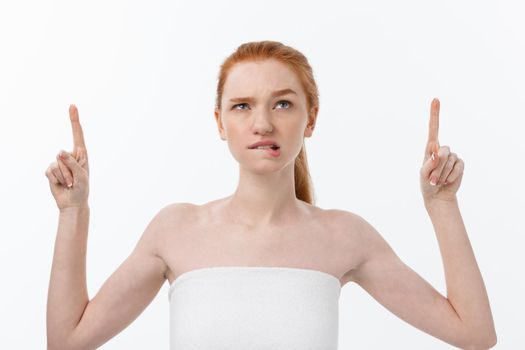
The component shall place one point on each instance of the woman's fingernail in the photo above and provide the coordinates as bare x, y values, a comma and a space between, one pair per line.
433, 181
432, 156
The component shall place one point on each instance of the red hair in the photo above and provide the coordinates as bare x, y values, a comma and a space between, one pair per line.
260, 50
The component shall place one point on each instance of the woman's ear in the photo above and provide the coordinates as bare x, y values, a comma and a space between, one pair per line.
312, 118
219, 124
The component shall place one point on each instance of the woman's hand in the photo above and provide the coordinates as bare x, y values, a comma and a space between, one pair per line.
69, 175
440, 166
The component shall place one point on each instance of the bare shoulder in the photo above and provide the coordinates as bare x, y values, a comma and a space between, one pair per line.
175, 211
172, 219
353, 225
348, 223
168, 221
169, 215
356, 236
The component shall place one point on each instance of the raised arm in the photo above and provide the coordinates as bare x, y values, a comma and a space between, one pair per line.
463, 318
402, 291
69, 183
74, 321
126, 293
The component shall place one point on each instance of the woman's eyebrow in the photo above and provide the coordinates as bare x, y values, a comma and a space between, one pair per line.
274, 94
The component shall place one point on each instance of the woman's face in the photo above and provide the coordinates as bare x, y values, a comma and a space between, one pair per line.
252, 109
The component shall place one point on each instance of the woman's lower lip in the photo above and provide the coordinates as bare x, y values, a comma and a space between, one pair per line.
272, 152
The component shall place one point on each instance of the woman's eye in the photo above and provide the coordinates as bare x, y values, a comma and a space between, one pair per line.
288, 102
240, 104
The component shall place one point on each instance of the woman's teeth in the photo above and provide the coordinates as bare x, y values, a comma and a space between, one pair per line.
273, 147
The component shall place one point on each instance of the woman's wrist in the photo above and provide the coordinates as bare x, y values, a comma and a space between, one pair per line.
75, 209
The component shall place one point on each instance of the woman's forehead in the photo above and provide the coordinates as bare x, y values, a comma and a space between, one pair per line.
259, 77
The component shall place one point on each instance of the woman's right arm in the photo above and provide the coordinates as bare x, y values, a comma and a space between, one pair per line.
73, 321
69, 183
67, 294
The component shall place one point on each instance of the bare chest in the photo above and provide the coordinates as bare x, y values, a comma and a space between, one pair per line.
317, 243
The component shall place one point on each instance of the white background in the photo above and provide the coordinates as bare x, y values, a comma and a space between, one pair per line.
144, 74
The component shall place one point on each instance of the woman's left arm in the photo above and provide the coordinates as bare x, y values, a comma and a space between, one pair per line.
441, 176
463, 318
465, 287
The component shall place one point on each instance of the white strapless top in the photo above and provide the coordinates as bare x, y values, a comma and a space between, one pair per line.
254, 308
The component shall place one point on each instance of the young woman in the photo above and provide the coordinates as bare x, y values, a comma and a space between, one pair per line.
264, 267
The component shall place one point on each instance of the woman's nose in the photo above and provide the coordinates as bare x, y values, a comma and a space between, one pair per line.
262, 122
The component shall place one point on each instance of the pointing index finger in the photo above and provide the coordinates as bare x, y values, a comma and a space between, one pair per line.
78, 135
433, 126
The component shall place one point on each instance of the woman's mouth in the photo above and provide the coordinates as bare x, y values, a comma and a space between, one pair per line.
274, 151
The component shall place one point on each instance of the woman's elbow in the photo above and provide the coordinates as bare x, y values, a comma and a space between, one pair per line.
483, 343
